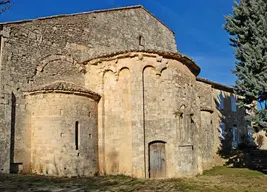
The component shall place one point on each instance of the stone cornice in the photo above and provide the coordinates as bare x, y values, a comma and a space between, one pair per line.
89, 12
216, 85
148, 53
63, 87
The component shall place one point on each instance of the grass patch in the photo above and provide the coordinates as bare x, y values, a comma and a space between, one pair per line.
215, 180
227, 171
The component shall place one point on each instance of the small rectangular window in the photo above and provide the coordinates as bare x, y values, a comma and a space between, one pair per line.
222, 131
235, 136
221, 101
233, 103
141, 40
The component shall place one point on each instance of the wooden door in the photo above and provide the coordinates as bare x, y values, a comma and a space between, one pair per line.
157, 164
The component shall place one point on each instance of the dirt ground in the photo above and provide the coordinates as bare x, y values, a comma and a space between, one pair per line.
218, 179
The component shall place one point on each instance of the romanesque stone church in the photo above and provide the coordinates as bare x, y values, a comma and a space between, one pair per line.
107, 92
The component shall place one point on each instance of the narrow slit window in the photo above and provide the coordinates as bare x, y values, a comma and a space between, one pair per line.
77, 135
222, 131
141, 40
233, 103
181, 121
235, 136
221, 101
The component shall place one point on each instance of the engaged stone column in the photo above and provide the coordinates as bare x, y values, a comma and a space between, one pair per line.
137, 123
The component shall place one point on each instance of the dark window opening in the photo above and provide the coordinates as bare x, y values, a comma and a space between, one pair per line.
141, 40
77, 135
233, 103
222, 131
221, 101
235, 136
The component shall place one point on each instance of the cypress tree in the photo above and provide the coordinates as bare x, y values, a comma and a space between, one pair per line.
247, 27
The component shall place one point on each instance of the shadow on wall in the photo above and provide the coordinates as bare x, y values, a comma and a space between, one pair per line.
237, 146
228, 122
14, 167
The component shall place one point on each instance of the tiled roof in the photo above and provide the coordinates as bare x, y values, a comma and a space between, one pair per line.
90, 12
216, 85
62, 86
166, 54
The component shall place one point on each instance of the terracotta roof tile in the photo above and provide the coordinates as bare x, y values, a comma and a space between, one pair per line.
90, 12
62, 86
172, 55
216, 85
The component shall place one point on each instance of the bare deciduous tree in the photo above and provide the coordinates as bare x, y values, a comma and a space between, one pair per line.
6, 4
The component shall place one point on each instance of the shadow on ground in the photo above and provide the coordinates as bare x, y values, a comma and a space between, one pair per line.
15, 182
242, 152
215, 180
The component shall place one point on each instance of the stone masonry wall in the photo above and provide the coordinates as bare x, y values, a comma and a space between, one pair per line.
230, 119
44, 50
117, 122
212, 146
142, 95
63, 135
169, 109
207, 139
206, 130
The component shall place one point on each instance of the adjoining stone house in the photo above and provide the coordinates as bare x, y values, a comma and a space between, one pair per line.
107, 92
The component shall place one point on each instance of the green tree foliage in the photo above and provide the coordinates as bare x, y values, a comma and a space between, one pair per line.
248, 36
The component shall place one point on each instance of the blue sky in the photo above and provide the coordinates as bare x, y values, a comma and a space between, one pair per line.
197, 26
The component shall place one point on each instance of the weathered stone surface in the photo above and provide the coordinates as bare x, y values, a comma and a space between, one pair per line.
214, 146
54, 120
125, 95
42, 51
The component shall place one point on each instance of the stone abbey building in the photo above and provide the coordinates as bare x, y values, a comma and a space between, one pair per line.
107, 92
